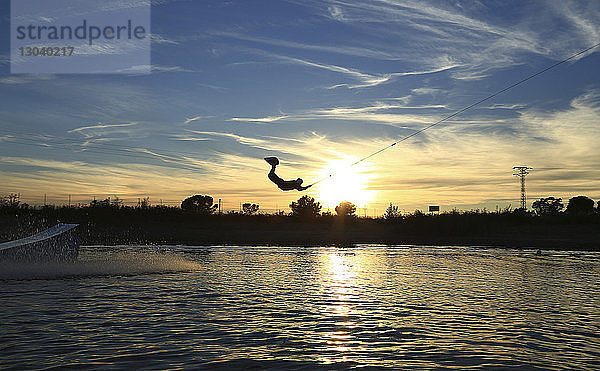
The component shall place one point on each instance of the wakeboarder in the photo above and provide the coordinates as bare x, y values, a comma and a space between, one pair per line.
284, 185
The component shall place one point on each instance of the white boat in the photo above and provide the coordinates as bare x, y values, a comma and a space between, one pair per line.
58, 243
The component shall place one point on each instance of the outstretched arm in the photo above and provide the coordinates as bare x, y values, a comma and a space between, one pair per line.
300, 188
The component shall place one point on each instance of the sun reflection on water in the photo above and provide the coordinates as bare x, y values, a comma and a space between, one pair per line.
340, 284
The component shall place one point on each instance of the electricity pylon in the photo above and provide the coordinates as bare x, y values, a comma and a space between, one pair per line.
522, 172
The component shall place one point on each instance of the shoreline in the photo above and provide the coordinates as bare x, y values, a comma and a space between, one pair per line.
491, 247
110, 228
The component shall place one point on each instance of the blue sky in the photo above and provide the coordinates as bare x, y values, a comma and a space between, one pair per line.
319, 84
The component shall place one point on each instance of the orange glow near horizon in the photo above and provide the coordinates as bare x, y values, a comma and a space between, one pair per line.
350, 183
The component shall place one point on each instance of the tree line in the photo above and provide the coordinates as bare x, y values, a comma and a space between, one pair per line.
307, 207
304, 207
580, 205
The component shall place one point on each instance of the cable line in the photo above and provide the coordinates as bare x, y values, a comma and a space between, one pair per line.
463, 110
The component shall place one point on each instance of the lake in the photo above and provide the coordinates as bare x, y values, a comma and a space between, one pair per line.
303, 308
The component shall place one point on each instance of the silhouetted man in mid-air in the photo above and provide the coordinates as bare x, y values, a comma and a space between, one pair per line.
284, 185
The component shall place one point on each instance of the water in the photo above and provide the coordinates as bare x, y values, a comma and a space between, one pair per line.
303, 308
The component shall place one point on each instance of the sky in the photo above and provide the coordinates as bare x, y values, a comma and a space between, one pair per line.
319, 84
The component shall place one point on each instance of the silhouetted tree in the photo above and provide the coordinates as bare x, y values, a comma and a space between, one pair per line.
346, 208
144, 203
12, 200
598, 207
249, 208
199, 204
548, 206
391, 212
101, 204
305, 207
580, 205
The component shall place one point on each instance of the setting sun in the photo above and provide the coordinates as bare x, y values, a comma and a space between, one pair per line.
348, 183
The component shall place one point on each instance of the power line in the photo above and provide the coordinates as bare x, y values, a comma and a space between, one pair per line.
464, 109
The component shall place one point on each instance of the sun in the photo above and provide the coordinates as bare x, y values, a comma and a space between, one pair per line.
349, 183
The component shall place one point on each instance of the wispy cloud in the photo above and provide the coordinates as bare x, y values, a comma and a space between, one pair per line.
374, 114
506, 106
336, 13
343, 49
430, 91
187, 138
42, 163
196, 118
430, 29
582, 16
161, 39
378, 112
364, 79
259, 119
101, 131
253, 142
101, 126
158, 68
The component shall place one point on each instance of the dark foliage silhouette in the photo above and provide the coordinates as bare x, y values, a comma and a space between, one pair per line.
305, 207
346, 209
199, 204
101, 203
548, 206
249, 208
144, 203
520, 212
392, 213
10, 201
160, 224
580, 205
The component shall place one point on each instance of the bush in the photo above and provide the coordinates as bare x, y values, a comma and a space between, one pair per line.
580, 205
392, 213
249, 208
305, 207
548, 206
346, 209
199, 204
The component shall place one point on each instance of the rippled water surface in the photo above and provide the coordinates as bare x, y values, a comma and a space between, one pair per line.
233, 307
